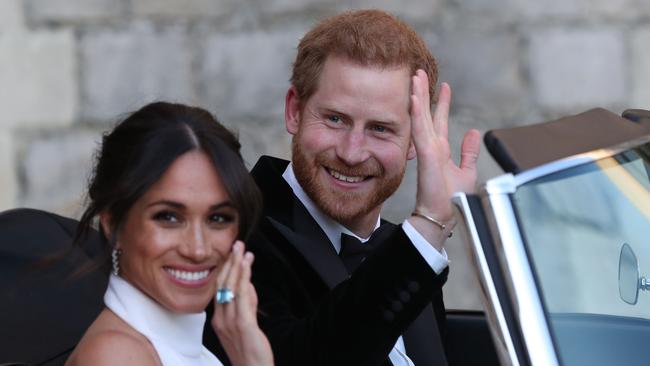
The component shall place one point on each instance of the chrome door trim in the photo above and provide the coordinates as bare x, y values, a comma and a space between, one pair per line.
494, 311
529, 312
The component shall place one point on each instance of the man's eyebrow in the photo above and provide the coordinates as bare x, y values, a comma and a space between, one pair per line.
327, 110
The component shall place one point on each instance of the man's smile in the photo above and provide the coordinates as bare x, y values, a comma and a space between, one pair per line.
345, 178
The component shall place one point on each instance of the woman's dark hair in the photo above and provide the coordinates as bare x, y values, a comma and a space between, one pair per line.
138, 151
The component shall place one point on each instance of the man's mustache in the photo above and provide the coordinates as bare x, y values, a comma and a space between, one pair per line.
369, 167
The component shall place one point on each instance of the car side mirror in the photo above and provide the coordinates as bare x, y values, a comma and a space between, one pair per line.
629, 280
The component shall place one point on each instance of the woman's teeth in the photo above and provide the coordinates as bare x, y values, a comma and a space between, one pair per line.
187, 276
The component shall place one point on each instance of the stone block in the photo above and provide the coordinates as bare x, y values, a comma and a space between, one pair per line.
578, 9
305, 6
483, 70
574, 69
640, 8
245, 75
11, 15
484, 13
38, 74
410, 11
640, 77
183, 8
73, 11
261, 138
123, 70
56, 170
8, 179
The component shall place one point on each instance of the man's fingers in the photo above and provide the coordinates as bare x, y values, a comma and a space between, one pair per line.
441, 114
470, 149
422, 129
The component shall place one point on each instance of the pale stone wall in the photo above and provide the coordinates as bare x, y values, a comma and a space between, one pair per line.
70, 68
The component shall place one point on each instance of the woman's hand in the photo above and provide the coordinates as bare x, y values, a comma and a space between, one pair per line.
236, 322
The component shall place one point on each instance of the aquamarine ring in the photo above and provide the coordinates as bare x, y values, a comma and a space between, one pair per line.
225, 295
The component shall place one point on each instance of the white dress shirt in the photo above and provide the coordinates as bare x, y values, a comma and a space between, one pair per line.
333, 229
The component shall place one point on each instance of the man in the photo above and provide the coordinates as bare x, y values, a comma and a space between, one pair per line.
359, 107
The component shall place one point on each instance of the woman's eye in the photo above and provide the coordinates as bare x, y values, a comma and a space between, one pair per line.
166, 216
221, 218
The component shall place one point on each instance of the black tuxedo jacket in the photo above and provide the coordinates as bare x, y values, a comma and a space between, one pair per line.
315, 313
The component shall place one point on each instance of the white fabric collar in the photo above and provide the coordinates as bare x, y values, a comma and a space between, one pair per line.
177, 338
331, 227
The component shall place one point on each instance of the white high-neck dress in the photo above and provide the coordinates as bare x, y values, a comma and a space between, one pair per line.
177, 338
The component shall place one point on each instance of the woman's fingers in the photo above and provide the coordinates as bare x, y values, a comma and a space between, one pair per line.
236, 322
233, 279
225, 270
247, 304
225, 279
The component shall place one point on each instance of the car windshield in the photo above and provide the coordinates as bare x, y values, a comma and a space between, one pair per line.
574, 224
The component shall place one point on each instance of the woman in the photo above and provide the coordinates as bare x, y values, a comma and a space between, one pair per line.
172, 195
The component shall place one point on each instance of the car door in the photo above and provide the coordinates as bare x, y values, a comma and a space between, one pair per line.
561, 241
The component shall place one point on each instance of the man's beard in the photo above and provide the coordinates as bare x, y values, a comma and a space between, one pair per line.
343, 206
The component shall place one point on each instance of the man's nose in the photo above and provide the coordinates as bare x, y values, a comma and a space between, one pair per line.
352, 148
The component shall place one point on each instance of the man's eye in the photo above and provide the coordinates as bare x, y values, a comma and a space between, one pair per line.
334, 119
378, 128
166, 216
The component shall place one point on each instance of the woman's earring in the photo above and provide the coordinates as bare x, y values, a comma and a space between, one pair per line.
116, 260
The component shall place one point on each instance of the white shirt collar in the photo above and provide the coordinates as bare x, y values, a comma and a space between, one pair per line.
331, 227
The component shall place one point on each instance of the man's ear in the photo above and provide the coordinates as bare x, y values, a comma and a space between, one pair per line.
411, 153
292, 110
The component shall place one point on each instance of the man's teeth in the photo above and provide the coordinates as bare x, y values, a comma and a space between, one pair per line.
345, 178
187, 276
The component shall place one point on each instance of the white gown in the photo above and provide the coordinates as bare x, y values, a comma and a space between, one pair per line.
176, 337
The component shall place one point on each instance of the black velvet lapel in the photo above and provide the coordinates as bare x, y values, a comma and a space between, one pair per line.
288, 215
322, 258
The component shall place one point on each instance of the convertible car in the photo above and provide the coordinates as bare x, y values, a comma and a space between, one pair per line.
561, 241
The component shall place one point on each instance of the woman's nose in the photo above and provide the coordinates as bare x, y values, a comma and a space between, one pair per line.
195, 246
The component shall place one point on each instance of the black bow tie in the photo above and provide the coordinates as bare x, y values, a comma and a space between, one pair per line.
353, 251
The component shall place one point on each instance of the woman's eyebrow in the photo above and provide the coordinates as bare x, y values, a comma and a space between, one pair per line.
180, 206
225, 204
167, 203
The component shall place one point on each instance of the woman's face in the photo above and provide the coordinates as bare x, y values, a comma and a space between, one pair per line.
178, 235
